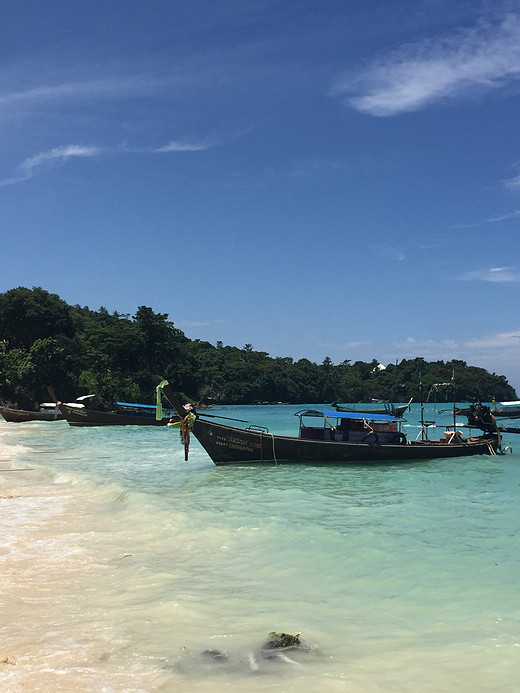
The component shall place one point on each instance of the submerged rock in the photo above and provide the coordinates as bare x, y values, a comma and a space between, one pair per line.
217, 655
278, 645
276, 641
275, 650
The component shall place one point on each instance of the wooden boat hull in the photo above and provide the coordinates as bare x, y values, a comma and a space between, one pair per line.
77, 416
228, 445
22, 415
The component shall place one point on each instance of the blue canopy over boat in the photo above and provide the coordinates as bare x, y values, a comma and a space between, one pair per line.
348, 415
130, 404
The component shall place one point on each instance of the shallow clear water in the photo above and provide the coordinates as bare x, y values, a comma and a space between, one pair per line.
121, 563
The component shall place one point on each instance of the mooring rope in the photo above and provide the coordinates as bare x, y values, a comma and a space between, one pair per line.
274, 453
268, 433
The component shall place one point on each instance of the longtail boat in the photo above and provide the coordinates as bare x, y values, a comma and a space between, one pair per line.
119, 414
397, 410
47, 412
507, 410
324, 437
483, 417
86, 412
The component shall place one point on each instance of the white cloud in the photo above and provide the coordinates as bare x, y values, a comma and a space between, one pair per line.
199, 323
200, 145
503, 217
490, 351
430, 348
502, 340
495, 275
60, 155
108, 88
55, 156
513, 183
415, 75
312, 168
490, 220
179, 146
396, 254
496, 352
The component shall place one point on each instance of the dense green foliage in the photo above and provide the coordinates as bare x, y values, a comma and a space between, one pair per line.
44, 341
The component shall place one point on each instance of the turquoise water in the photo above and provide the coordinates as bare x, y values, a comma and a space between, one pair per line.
122, 563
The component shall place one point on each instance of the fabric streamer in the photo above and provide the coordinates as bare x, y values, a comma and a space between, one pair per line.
158, 402
185, 430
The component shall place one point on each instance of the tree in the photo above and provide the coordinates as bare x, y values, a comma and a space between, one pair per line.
164, 347
27, 374
30, 314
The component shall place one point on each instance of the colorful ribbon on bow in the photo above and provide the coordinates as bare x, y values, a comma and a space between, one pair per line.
185, 430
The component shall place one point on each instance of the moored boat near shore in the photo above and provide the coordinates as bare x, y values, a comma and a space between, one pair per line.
397, 410
119, 414
325, 437
47, 412
483, 417
506, 410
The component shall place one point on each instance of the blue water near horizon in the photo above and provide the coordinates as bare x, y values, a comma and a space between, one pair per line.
404, 577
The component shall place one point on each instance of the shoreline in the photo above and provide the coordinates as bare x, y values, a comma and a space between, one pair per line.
52, 574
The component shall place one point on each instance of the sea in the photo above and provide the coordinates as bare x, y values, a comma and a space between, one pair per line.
125, 568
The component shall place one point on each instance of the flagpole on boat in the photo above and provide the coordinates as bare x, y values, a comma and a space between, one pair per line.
454, 415
393, 384
422, 404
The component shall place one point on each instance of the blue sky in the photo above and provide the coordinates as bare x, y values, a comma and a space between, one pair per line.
316, 178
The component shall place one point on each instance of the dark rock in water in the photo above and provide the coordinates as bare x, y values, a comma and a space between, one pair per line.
206, 663
278, 644
281, 641
217, 655
278, 648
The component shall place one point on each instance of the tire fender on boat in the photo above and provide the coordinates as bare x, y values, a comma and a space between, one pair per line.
373, 435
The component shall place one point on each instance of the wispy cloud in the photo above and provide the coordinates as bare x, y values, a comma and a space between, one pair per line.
418, 74
487, 350
504, 217
184, 146
396, 254
465, 349
53, 157
490, 220
513, 183
495, 275
199, 323
113, 88
60, 155
312, 168
358, 344
501, 340
496, 352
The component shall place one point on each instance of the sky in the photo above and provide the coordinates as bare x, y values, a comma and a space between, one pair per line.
316, 178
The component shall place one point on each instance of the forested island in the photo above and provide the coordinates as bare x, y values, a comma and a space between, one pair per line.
45, 341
